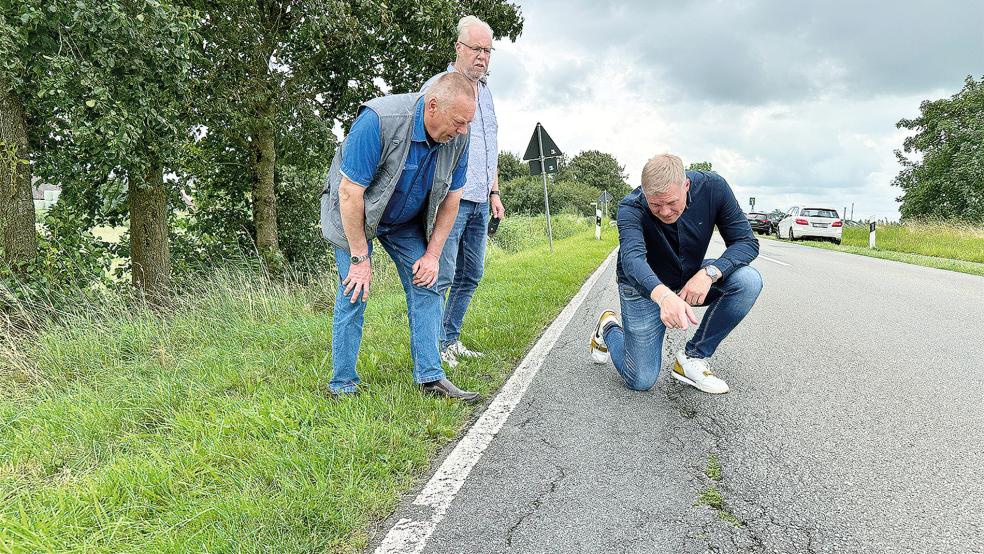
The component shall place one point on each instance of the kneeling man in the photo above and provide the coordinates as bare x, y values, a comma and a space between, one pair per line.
397, 177
664, 229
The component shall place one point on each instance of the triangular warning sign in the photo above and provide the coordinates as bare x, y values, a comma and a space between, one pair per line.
550, 149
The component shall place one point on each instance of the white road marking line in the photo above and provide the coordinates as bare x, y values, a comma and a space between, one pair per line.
773, 260
410, 535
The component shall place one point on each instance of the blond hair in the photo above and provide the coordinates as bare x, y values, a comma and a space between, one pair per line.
661, 172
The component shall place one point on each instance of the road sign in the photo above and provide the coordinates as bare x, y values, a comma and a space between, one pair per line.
549, 163
542, 153
751, 201
541, 146
605, 197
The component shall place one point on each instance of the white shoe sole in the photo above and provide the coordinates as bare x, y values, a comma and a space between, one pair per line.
599, 356
696, 385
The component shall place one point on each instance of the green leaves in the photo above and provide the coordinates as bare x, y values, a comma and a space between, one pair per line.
945, 177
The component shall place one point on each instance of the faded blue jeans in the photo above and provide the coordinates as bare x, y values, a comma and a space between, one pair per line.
462, 265
637, 347
405, 244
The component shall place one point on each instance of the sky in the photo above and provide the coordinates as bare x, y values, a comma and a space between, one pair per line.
792, 102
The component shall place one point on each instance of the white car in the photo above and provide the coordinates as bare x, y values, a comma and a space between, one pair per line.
822, 223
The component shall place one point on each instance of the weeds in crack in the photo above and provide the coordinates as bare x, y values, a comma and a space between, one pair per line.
713, 469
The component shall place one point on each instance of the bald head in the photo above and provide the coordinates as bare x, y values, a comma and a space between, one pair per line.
449, 106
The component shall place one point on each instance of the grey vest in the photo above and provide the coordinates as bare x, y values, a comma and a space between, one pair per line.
396, 127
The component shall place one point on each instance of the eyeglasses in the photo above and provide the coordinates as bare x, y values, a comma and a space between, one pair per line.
477, 49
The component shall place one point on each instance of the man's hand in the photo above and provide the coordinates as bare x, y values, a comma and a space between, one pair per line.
357, 281
695, 291
498, 210
676, 314
425, 270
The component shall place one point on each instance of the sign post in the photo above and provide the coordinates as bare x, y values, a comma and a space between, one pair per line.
542, 154
751, 201
604, 198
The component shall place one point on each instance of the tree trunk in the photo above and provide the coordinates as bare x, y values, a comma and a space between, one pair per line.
263, 158
150, 253
18, 236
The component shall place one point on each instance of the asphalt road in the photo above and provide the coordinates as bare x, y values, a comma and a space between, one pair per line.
855, 423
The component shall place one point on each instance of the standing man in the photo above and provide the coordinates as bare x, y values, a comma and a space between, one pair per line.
397, 177
664, 228
463, 259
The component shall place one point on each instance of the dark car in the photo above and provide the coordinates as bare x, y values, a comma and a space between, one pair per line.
760, 222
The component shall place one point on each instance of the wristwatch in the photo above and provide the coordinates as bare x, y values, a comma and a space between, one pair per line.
358, 259
712, 272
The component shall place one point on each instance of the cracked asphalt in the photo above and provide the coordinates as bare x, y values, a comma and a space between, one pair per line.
855, 424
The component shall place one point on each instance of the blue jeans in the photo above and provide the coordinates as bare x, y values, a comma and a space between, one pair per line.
462, 265
637, 347
405, 244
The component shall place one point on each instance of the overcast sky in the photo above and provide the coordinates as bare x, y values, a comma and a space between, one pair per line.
793, 102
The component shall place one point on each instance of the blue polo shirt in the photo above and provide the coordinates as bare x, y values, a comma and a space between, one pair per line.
363, 149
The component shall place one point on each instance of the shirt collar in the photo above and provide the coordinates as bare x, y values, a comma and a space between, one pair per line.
419, 132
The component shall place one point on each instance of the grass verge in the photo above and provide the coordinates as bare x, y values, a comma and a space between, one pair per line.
961, 266
208, 429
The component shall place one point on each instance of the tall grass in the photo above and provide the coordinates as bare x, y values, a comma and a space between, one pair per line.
207, 428
941, 240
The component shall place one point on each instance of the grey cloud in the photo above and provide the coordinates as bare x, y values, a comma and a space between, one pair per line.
773, 50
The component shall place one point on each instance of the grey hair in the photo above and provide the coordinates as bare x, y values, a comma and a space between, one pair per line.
468, 22
661, 172
449, 86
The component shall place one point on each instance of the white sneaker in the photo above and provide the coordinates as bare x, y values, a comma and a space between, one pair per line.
447, 356
459, 349
598, 348
694, 372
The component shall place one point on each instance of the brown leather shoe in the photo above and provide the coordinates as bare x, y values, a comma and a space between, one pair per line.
446, 389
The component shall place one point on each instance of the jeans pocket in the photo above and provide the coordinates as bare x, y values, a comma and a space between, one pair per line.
629, 292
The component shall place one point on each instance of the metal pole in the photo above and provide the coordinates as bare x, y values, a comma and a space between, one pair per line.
546, 198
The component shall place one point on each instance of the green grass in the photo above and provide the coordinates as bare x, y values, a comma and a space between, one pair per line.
943, 246
209, 429
713, 469
938, 240
711, 496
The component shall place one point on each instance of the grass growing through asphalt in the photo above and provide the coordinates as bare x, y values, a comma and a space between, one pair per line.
712, 497
208, 429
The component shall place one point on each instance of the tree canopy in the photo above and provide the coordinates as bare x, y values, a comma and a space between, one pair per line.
943, 162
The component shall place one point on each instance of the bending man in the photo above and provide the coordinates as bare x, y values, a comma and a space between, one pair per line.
664, 229
397, 177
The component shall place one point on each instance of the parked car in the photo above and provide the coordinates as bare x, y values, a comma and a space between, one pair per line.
759, 222
774, 220
822, 223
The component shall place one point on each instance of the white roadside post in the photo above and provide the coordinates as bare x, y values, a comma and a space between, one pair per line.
871, 235
597, 220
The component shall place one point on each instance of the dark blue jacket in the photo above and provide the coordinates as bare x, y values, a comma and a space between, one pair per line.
652, 252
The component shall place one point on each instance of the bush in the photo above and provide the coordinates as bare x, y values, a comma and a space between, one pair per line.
517, 233
525, 196
71, 268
